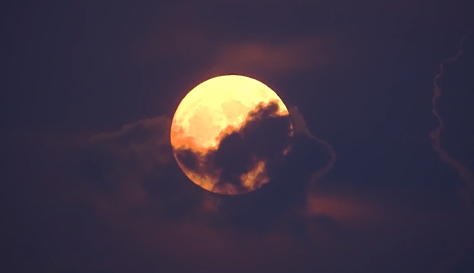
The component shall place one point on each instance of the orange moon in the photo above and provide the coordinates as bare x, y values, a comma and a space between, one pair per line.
227, 130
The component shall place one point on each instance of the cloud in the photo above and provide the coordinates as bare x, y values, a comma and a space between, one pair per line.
135, 165
300, 127
131, 183
210, 40
467, 193
211, 55
265, 57
466, 175
171, 215
145, 195
244, 158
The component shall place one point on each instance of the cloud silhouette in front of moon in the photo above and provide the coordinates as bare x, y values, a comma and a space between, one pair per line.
242, 161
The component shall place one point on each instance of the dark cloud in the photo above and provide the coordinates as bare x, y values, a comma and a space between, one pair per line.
142, 197
301, 128
262, 140
135, 171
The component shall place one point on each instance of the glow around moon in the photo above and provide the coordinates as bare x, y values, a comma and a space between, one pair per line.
227, 130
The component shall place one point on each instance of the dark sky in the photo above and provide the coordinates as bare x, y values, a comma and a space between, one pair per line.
89, 183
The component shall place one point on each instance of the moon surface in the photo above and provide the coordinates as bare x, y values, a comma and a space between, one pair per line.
228, 132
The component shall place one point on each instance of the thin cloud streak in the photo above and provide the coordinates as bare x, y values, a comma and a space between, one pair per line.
270, 58
435, 135
465, 174
213, 56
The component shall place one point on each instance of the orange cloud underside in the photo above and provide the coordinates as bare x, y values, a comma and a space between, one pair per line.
256, 177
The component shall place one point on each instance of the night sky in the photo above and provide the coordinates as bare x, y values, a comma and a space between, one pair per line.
89, 183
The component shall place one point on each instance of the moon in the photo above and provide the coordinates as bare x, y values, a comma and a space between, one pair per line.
228, 133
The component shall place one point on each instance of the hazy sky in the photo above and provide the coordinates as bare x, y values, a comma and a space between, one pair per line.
89, 183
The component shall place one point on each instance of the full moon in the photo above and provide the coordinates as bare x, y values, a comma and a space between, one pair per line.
228, 133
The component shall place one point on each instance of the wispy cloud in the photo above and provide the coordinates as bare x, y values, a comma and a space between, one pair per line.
467, 193
270, 58
466, 175
214, 56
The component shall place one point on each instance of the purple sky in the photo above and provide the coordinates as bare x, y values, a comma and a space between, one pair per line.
90, 185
